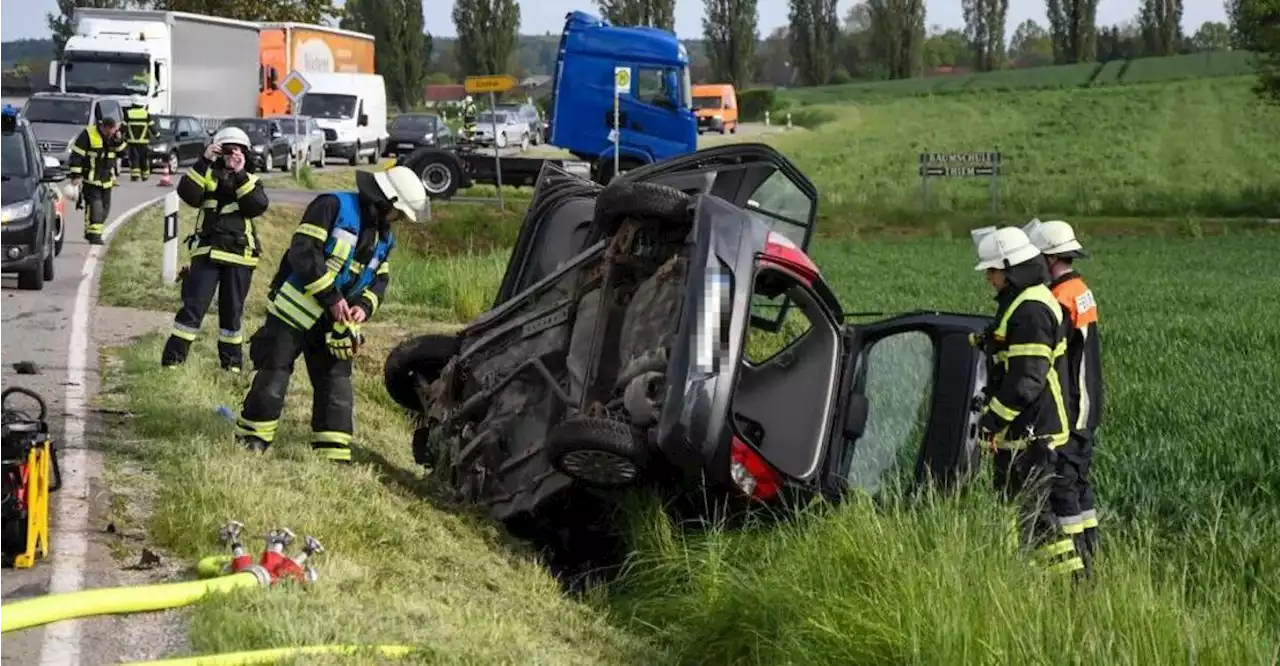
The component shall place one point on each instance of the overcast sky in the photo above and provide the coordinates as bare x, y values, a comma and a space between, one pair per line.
25, 18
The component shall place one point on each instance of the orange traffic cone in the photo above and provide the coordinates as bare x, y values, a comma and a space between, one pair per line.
165, 181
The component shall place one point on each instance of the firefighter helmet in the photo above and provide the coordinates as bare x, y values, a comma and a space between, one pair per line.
1055, 238
404, 189
1004, 248
234, 136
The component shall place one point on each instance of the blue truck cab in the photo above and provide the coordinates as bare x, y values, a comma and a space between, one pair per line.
656, 118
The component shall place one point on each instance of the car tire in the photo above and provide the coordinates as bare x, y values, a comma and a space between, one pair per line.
171, 162
288, 162
319, 163
621, 200
32, 280
376, 154
502, 140
425, 357
355, 156
734, 129
596, 451
269, 163
524, 142
47, 271
59, 234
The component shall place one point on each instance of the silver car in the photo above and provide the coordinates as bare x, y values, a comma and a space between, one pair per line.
307, 141
511, 131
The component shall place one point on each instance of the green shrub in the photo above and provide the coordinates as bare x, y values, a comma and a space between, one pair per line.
753, 103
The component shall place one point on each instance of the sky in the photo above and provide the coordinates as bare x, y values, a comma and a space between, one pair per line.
25, 18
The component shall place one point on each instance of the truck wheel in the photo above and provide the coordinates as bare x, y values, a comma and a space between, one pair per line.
440, 178
600, 452
355, 156
424, 356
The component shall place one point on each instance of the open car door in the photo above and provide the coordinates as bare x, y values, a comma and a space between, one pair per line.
920, 383
752, 176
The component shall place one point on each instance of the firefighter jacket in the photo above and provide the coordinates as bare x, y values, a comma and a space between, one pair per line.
138, 125
334, 255
469, 115
93, 157
228, 202
1084, 353
1026, 352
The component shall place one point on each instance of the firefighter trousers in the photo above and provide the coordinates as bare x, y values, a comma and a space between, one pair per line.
273, 349
1081, 458
1047, 492
139, 161
203, 278
97, 208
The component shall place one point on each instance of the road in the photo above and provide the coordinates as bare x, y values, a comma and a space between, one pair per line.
40, 326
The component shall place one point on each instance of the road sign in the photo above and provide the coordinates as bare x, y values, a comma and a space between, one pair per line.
498, 83
622, 80
295, 85
960, 165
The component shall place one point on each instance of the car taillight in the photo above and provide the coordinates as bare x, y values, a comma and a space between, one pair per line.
751, 473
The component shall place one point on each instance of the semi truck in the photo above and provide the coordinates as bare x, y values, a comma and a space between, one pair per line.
656, 119
173, 62
310, 49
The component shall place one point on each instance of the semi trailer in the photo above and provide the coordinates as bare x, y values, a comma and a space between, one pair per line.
655, 116
310, 49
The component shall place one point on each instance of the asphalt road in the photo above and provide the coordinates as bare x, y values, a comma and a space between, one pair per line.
38, 327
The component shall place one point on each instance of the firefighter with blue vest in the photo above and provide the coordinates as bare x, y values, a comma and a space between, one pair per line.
1025, 420
332, 279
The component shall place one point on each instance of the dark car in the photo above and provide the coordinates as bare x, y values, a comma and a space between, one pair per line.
411, 131
58, 118
529, 114
32, 231
271, 148
176, 141
669, 330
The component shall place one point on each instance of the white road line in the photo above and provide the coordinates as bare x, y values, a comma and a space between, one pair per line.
61, 645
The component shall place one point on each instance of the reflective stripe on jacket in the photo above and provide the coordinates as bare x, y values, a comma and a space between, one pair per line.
1026, 372
1084, 353
227, 203
138, 124
295, 302
93, 158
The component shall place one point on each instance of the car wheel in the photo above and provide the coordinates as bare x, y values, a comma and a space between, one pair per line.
524, 142
171, 162
270, 163
32, 280
734, 129
59, 233
46, 268
355, 156
422, 357
319, 163
502, 140
376, 154
596, 451
288, 162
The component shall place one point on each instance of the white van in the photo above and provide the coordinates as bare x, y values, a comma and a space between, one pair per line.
352, 111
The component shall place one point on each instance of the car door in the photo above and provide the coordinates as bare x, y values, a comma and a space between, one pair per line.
190, 140
911, 393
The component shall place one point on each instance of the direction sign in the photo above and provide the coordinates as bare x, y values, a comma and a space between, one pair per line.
622, 80
960, 165
295, 85
498, 83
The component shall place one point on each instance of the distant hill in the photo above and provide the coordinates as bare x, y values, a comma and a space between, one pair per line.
19, 50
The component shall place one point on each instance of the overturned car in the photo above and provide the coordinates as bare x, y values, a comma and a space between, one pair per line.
670, 330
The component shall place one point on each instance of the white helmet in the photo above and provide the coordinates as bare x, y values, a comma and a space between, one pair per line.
1054, 237
1004, 248
467, 99
404, 188
232, 135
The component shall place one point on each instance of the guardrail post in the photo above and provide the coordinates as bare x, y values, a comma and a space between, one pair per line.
169, 263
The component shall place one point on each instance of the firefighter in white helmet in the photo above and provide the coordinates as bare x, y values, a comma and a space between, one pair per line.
331, 280
1057, 241
469, 116
224, 247
1024, 419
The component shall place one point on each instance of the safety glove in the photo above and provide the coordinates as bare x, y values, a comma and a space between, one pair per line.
344, 340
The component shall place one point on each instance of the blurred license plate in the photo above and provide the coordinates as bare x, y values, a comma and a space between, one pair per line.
406, 145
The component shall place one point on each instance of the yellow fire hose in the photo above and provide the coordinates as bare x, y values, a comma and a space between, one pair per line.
273, 655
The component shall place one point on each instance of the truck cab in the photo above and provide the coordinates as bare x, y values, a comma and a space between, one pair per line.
655, 116
121, 55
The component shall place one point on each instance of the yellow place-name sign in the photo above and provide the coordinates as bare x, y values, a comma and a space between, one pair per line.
490, 84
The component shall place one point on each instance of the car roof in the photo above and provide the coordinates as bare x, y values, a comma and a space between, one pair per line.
82, 97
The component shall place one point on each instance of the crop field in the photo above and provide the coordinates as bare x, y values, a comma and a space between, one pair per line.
1189, 487
1114, 72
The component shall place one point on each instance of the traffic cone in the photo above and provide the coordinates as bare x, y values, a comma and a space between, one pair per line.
165, 181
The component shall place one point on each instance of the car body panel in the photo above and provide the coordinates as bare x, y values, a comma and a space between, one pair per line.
182, 136
410, 131
58, 118
267, 139
29, 218
308, 142
507, 124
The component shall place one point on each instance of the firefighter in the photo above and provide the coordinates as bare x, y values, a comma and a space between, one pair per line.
1057, 241
225, 247
332, 279
469, 115
93, 160
138, 125
1024, 418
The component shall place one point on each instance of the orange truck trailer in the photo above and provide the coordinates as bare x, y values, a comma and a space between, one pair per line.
284, 47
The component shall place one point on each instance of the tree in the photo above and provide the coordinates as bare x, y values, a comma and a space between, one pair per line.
1073, 26
855, 44
61, 24
403, 52
1161, 22
1030, 45
272, 11
815, 31
984, 28
1120, 42
1212, 36
730, 30
947, 48
897, 36
774, 59
486, 35
656, 13
1255, 25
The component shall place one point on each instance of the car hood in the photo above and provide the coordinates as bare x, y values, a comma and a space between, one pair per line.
335, 123
15, 190
56, 131
402, 133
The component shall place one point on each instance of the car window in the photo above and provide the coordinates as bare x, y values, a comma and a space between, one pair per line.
788, 207
192, 125
15, 161
60, 111
897, 372
708, 102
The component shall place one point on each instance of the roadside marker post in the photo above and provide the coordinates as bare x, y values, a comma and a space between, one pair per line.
493, 85
169, 261
295, 86
621, 86
960, 165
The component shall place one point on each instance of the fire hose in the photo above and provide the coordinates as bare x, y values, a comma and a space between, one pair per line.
219, 574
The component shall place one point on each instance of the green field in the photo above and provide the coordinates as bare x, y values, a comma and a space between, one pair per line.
1114, 72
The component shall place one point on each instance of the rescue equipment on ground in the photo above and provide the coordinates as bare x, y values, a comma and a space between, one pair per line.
30, 473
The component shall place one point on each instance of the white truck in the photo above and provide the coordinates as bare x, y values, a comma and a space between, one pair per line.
174, 62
